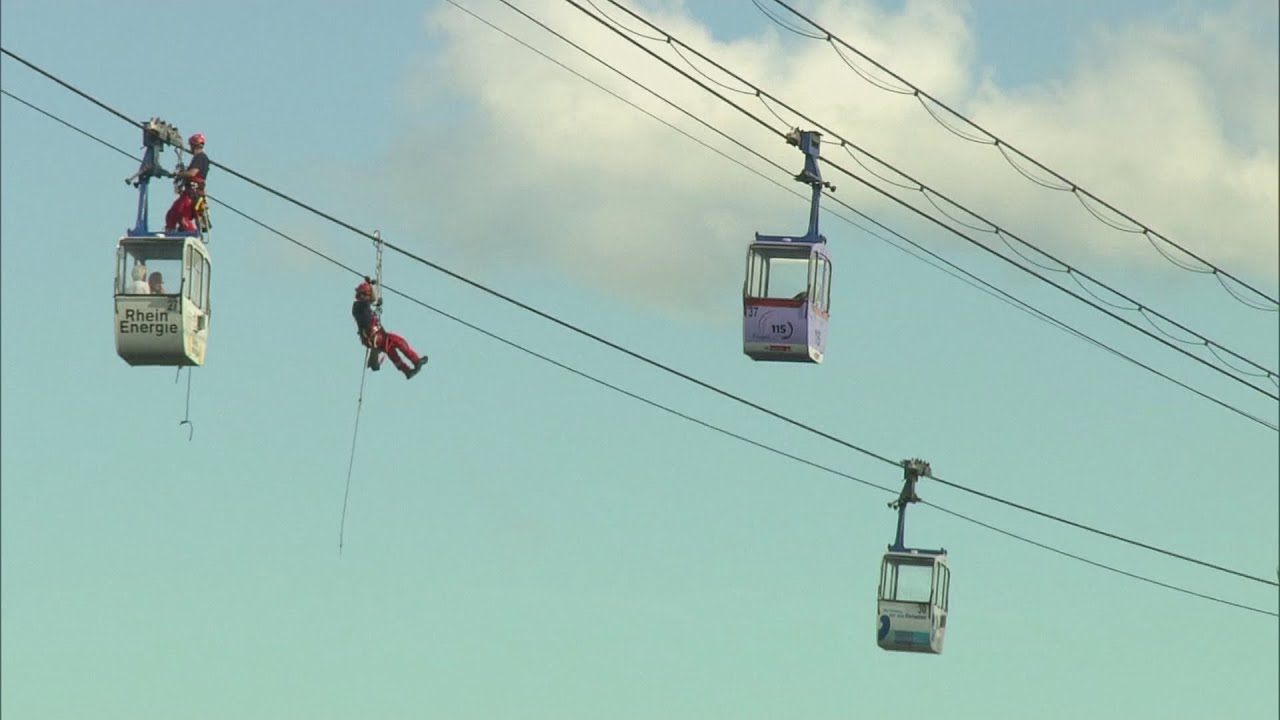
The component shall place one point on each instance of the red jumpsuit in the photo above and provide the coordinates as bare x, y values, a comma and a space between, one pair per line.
182, 213
375, 337
392, 344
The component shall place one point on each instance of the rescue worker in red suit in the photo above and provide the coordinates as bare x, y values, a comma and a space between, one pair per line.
182, 213
376, 338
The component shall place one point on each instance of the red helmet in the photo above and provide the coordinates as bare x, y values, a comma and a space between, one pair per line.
364, 290
197, 139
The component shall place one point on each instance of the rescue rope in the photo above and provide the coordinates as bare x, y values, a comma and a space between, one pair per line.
377, 273
371, 358
186, 420
342, 526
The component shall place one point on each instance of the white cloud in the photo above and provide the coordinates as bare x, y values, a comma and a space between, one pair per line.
520, 159
1175, 127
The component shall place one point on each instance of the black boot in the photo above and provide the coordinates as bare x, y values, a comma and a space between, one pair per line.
422, 361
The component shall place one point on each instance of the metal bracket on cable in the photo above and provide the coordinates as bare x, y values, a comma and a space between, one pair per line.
912, 470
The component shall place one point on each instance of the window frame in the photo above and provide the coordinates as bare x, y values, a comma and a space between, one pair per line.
205, 275
760, 261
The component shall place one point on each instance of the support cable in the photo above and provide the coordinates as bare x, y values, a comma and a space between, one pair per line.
725, 393
983, 136
973, 280
927, 191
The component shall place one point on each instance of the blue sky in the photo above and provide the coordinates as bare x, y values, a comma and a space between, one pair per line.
523, 543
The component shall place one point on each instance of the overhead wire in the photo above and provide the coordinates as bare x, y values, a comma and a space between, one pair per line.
691, 379
1070, 523
1094, 563
951, 268
656, 405
1073, 272
933, 259
1215, 348
758, 94
986, 137
779, 21
988, 287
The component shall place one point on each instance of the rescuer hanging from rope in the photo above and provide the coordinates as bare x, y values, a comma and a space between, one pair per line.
376, 338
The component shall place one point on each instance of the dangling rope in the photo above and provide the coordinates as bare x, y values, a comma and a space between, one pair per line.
351, 463
371, 356
181, 164
187, 417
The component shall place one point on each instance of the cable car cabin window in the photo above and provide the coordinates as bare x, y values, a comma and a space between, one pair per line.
195, 287
888, 580
197, 272
811, 286
780, 273
907, 582
191, 280
204, 298
817, 282
197, 295
148, 268
826, 284
757, 273
822, 283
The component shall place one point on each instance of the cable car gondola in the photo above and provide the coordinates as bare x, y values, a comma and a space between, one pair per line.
786, 297
915, 584
162, 279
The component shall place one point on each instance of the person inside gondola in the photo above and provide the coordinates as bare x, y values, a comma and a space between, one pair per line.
138, 285
377, 339
156, 283
189, 183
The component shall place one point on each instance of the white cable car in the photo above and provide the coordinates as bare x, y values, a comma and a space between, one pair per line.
162, 300
786, 297
786, 300
914, 585
162, 279
913, 601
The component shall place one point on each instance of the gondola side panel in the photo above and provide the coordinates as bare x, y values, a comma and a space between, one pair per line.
149, 330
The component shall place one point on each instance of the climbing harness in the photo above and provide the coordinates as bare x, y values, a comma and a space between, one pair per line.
201, 202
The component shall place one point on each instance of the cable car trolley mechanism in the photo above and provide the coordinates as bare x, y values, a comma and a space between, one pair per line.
162, 278
914, 583
786, 297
